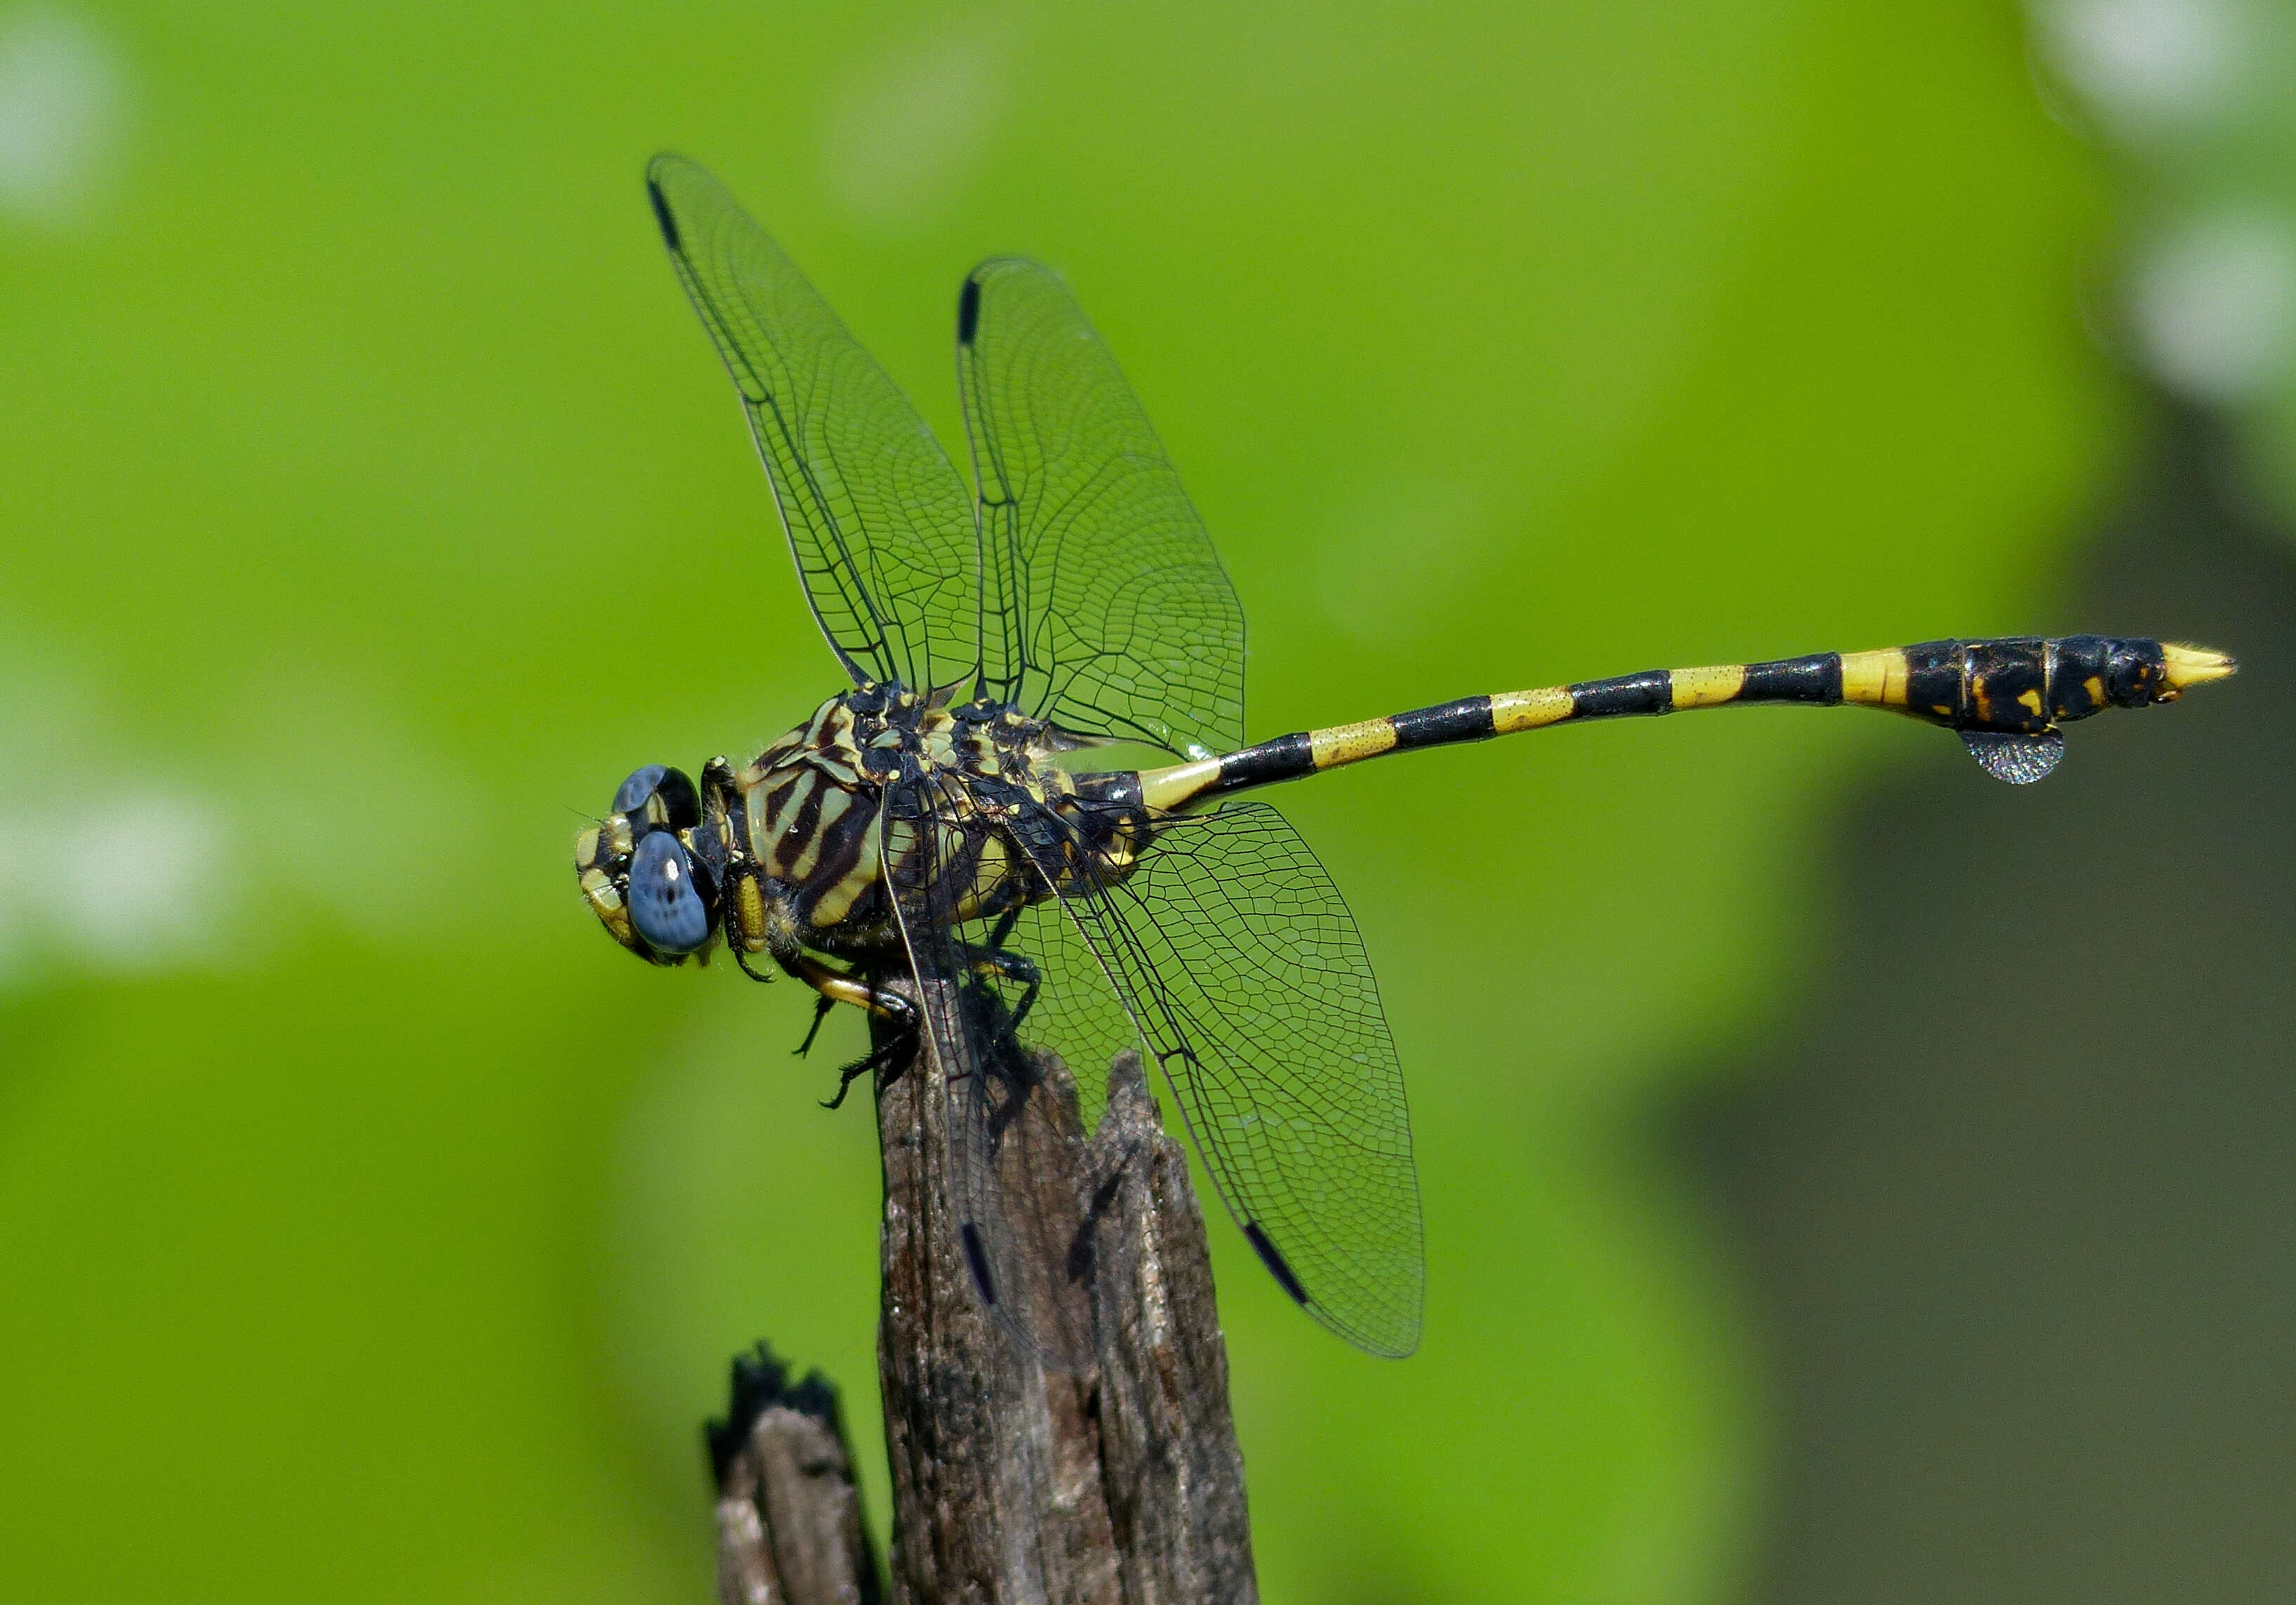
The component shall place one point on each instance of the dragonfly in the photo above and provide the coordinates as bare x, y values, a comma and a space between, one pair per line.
938, 819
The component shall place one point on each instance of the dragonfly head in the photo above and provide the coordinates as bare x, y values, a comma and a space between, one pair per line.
642, 871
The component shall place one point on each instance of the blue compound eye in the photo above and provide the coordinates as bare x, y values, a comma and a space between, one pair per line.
658, 797
638, 787
666, 904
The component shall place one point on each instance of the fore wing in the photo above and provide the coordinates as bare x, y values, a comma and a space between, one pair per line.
1105, 609
878, 518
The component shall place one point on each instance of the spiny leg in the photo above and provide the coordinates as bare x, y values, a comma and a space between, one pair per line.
882, 1056
835, 986
822, 1003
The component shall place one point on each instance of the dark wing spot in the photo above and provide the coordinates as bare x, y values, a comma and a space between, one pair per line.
661, 215
977, 1261
967, 311
1273, 1261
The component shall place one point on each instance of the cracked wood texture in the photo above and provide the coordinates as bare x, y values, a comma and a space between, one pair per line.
1016, 1482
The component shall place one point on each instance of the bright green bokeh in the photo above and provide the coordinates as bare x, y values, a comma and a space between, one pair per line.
374, 504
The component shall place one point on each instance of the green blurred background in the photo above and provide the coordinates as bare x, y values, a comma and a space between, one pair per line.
370, 1229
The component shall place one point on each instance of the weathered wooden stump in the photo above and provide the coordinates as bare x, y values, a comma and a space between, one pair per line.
788, 1517
1014, 1481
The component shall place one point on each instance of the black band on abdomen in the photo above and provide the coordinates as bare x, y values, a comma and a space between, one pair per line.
1284, 758
1469, 718
1650, 692
1816, 680
1934, 687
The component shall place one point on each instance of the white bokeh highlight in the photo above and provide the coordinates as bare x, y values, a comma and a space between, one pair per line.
61, 99
135, 883
2149, 65
122, 854
2214, 305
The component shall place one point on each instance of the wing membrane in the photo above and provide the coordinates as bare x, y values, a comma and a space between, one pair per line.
1238, 962
1230, 957
1106, 610
876, 515
1018, 1226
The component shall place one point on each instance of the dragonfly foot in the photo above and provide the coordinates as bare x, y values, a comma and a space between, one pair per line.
881, 1057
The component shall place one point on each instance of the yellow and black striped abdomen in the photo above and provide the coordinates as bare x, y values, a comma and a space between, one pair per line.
2019, 685
2006, 696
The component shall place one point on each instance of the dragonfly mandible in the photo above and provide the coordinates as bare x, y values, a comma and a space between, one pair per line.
933, 819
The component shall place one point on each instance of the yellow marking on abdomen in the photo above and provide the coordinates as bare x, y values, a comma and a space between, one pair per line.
2186, 666
1170, 789
1705, 688
1351, 743
1874, 679
1512, 711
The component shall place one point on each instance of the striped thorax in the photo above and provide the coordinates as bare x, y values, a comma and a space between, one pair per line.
790, 851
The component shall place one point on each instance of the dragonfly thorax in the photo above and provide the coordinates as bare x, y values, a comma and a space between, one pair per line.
788, 851
806, 811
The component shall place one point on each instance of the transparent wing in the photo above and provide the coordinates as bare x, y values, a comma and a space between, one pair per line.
1019, 1226
1237, 961
878, 517
1106, 610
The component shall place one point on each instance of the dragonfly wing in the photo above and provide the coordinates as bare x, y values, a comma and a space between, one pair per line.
1004, 1111
877, 516
1106, 610
1239, 965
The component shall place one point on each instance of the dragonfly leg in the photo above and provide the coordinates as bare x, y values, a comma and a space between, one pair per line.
1003, 934
899, 1043
882, 1056
836, 986
742, 959
821, 1005
994, 960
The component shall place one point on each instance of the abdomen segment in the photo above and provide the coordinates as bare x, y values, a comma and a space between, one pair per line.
2006, 696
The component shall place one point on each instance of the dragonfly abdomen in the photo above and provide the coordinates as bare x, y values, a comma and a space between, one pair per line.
2017, 684
2007, 689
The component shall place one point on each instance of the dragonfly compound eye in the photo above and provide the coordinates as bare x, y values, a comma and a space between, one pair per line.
671, 905
658, 797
